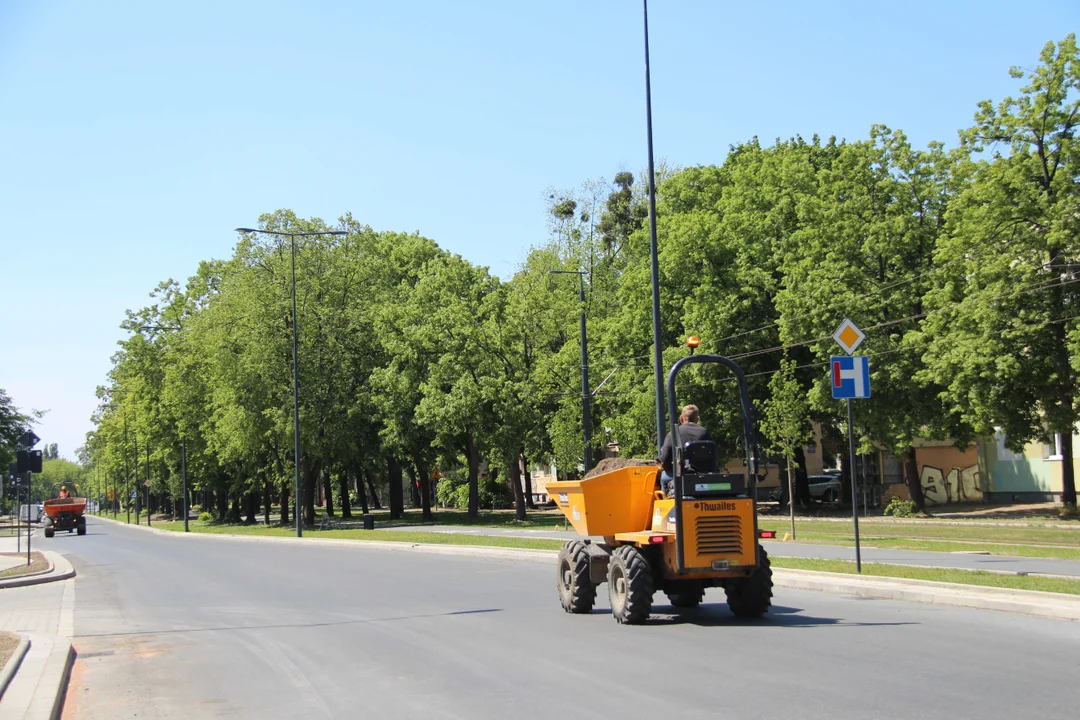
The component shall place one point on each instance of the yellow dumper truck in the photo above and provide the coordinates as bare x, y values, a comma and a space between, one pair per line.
640, 540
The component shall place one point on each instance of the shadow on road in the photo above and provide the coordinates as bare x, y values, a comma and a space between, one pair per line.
718, 615
355, 621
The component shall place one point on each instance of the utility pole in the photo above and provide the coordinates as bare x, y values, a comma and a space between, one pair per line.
658, 355
183, 476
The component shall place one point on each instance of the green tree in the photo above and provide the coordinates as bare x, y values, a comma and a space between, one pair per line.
1002, 334
785, 423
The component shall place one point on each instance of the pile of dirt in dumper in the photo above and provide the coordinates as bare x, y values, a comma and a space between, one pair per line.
609, 464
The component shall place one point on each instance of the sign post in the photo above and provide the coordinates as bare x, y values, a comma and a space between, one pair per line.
29, 461
851, 380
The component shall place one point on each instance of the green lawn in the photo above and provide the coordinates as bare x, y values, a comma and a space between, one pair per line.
1023, 541
963, 577
429, 538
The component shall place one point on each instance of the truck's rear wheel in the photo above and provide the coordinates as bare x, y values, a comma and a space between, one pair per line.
49, 532
630, 585
577, 593
751, 596
80, 526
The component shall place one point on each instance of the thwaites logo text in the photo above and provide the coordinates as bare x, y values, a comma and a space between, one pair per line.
715, 507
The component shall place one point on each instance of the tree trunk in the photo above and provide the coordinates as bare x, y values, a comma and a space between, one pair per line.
914, 482
343, 488
785, 496
328, 491
251, 507
1068, 473
268, 499
222, 505
360, 489
424, 491
802, 480
234, 513
473, 459
528, 481
370, 477
312, 469
414, 483
284, 500
397, 501
515, 485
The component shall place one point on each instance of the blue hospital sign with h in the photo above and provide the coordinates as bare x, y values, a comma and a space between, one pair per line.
850, 377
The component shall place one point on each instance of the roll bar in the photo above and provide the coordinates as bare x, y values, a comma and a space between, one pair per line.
676, 446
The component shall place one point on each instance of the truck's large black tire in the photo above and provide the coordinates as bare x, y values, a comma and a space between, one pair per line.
630, 585
687, 594
751, 596
80, 526
49, 532
577, 593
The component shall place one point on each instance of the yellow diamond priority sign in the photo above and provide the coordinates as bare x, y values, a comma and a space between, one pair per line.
848, 336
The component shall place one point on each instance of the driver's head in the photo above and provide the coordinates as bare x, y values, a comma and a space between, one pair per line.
689, 414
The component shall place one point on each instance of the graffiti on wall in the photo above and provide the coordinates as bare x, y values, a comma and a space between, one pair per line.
957, 485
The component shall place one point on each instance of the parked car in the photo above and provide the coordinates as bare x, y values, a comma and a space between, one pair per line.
826, 489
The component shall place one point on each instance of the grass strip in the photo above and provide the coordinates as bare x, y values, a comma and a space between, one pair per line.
909, 572
404, 536
38, 563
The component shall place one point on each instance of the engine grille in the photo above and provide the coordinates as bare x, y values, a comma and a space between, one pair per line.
719, 535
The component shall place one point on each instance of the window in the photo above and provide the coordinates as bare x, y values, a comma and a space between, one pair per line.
1052, 451
1004, 454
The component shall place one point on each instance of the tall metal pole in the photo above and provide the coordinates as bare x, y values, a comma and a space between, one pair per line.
148, 484
183, 476
658, 357
126, 470
29, 525
586, 421
135, 476
295, 400
851, 475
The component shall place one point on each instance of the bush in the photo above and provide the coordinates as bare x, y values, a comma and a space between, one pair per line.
207, 518
900, 508
453, 491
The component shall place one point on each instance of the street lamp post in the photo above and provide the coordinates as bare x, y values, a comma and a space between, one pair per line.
658, 356
586, 421
183, 476
295, 373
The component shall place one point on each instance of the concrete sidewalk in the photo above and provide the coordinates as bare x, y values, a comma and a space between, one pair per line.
45, 614
920, 558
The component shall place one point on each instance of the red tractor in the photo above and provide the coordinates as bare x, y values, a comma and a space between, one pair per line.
65, 513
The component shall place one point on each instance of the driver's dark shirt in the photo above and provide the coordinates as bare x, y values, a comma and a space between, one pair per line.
688, 432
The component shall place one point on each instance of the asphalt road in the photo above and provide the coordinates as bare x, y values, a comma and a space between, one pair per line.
964, 561
197, 627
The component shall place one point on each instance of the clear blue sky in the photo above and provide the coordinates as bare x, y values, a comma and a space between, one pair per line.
135, 135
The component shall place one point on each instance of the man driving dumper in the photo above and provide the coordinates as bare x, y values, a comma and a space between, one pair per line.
689, 431
63, 493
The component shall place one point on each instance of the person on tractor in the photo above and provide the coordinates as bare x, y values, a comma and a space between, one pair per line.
63, 493
689, 431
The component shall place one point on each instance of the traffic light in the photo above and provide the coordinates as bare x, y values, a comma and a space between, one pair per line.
35, 461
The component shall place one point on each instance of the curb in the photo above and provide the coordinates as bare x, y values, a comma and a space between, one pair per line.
61, 569
37, 691
12, 666
1055, 606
